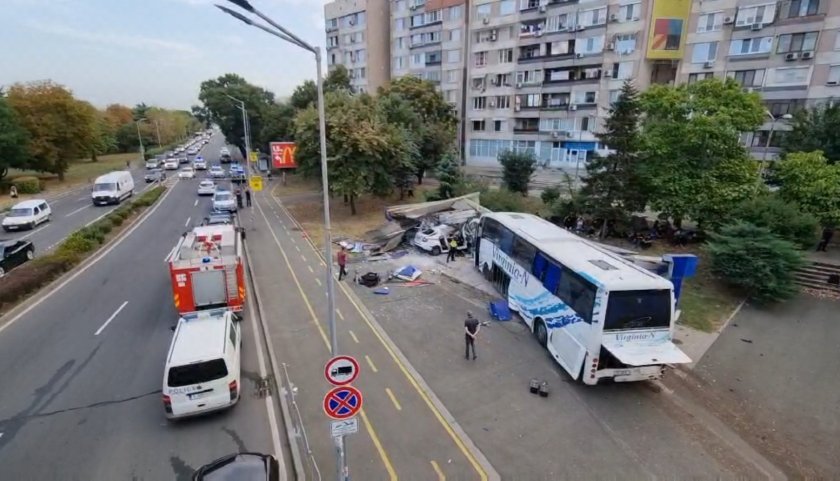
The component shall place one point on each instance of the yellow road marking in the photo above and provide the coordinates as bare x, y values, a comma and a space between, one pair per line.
318, 281
371, 364
310, 269
368, 426
393, 399
437, 469
353, 335
438, 415
337, 311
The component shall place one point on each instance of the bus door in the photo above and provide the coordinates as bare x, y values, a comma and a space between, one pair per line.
568, 339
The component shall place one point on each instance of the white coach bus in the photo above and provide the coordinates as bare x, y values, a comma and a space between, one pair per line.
599, 315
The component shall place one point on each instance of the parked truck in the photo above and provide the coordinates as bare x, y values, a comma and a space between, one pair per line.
206, 269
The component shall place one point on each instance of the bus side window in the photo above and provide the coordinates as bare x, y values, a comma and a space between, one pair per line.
490, 230
578, 294
506, 240
523, 252
552, 277
539, 267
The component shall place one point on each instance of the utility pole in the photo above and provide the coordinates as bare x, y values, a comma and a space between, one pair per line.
157, 128
140, 140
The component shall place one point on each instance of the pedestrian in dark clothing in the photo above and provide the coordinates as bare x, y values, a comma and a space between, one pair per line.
342, 263
248, 197
827, 234
471, 328
239, 198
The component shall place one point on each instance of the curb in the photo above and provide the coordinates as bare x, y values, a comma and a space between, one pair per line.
297, 463
485, 464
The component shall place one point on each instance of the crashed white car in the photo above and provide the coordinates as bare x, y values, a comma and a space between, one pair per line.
433, 239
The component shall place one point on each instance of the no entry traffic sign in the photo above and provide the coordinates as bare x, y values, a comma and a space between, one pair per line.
341, 370
342, 402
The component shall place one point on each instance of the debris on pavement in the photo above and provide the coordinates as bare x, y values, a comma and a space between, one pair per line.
408, 273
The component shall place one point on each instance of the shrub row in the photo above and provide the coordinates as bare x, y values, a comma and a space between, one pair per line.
26, 184
28, 278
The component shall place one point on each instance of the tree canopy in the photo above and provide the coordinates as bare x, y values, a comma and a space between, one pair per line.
808, 179
815, 129
14, 139
226, 112
517, 169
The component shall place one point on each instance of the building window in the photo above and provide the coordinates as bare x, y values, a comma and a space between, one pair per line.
581, 97
332, 41
554, 125
477, 83
748, 78
525, 147
360, 55
400, 42
499, 126
528, 4
803, 8
784, 76
751, 46
453, 56
451, 76
417, 20
590, 18
696, 77
622, 70
455, 12
797, 42
755, 14
400, 5
704, 52
488, 148
591, 45
483, 10
529, 77
480, 59
451, 95
586, 124
629, 13
502, 102
710, 22
506, 55
399, 24
433, 17
332, 23
433, 58
507, 7
479, 103
556, 23
837, 41
614, 95
834, 74
625, 44
418, 60
478, 125
399, 63
455, 35
332, 59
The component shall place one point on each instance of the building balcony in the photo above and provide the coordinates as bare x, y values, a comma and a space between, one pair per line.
580, 80
545, 58
526, 130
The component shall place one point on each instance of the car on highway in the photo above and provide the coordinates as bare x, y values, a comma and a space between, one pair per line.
199, 163
192, 151
27, 215
217, 172
223, 200
224, 151
155, 175
14, 253
112, 188
237, 173
202, 372
184, 160
152, 163
218, 218
206, 187
171, 164
186, 173
242, 466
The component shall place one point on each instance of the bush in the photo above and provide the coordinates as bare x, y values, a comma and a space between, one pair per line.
756, 260
784, 219
75, 244
503, 200
31, 276
517, 169
105, 225
27, 185
550, 195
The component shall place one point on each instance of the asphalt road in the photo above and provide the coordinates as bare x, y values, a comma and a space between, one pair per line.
80, 406
75, 210
402, 431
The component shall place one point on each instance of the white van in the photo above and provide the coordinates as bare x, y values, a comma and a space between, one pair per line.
203, 365
112, 188
27, 215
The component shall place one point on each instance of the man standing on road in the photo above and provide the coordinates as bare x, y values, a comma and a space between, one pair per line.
827, 234
238, 198
471, 328
453, 247
248, 197
342, 263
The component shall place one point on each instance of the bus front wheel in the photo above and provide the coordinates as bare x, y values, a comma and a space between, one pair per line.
540, 332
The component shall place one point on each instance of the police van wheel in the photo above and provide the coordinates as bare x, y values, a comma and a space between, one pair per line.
540, 332
435, 251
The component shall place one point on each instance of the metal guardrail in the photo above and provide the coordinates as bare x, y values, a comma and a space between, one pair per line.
289, 390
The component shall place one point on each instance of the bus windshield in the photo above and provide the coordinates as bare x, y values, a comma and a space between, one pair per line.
638, 310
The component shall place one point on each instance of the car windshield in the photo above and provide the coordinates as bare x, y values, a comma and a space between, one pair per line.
186, 169
105, 187
197, 373
19, 212
223, 197
206, 184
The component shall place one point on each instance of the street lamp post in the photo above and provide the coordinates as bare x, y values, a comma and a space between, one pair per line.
773, 120
245, 130
157, 128
140, 140
283, 34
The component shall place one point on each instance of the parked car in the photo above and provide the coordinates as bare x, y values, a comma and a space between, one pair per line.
27, 215
218, 218
14, 253
206, 187
240, 466
171, 164
186, 173
217, 172
155, 175
223, 200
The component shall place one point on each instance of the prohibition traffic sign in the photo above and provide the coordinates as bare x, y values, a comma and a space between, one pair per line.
341, 370
342, 402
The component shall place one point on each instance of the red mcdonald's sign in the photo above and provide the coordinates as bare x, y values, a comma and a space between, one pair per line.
283, 155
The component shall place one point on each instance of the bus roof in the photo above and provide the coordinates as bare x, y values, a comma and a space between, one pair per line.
599, 266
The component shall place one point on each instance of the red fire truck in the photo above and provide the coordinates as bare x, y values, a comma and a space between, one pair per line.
206, 269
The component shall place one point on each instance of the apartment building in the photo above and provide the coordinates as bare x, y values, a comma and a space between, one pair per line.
357, 37
788, 51
542, 74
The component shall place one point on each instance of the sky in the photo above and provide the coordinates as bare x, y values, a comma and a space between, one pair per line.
153, 51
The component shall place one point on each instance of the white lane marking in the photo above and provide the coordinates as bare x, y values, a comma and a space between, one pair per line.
77, 210
84, 268
82, 198
195, 203
39, 229
100, 217
114, 315
187, 223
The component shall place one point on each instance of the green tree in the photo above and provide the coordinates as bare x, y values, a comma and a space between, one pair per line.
226, 112
754, 259
306, 94
809, 180
550, 195
278, 125
815, 129
105, 136
612, 187
202, 114
438, 127
693, 163
450, 177
517, 169
140, 111
14, 139
783, 218
61, 127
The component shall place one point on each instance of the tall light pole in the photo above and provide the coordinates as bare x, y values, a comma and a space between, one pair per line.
140, 140
245, 130
773, 120
157, 128
283, 34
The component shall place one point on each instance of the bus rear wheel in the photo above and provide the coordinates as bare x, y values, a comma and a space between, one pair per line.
540, 332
